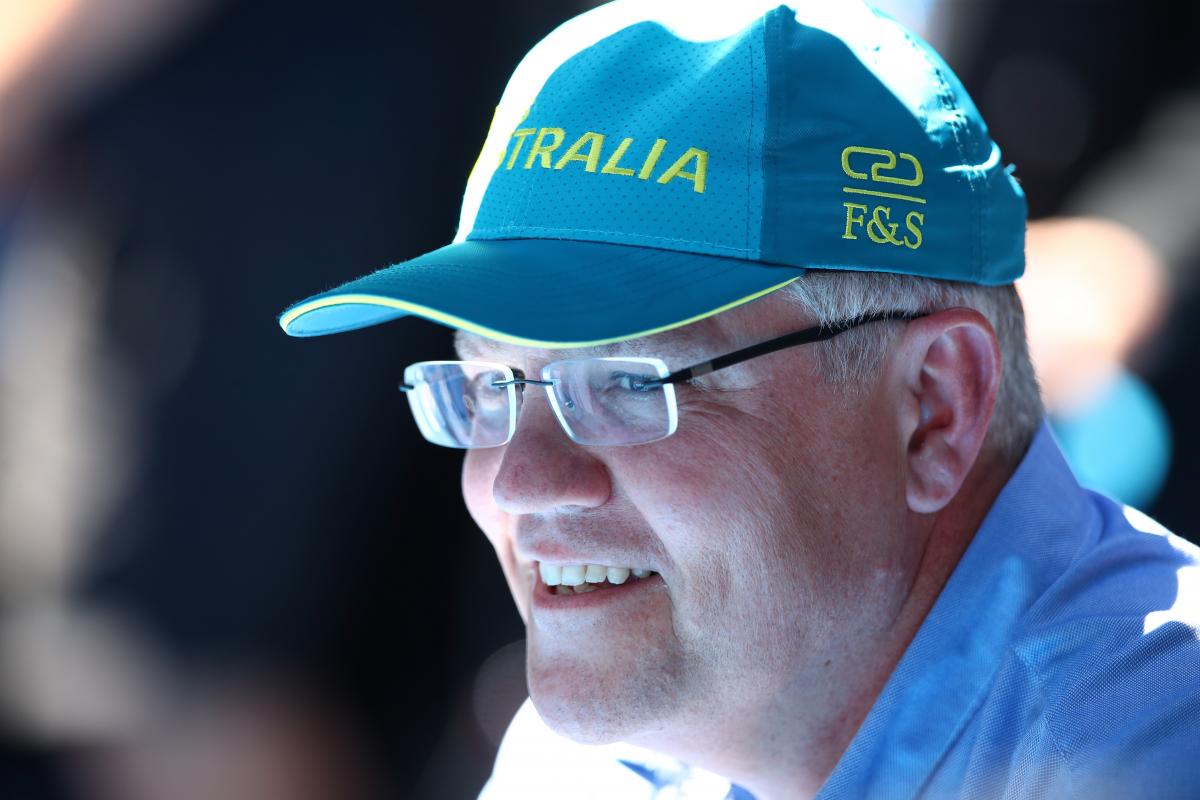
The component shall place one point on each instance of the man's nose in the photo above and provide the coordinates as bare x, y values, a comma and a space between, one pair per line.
542, 469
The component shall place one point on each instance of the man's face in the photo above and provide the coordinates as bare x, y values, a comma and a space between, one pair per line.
769, 519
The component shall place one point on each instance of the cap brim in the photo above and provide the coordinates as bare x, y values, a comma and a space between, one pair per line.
547, 293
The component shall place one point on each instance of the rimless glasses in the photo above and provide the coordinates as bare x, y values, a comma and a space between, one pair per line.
598, 401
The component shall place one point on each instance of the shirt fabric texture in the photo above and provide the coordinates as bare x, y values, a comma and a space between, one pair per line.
1061, 660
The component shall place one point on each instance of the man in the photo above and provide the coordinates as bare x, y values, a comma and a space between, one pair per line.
752, 427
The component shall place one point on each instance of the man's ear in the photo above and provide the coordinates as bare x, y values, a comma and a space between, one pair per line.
946, 369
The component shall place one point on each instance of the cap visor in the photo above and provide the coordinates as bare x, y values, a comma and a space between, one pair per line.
548, 293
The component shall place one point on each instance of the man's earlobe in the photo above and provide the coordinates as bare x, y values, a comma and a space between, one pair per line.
950, 365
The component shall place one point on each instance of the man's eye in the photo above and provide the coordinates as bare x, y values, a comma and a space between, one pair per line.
630, 382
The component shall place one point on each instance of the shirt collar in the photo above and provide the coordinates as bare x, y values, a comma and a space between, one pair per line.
1039, 521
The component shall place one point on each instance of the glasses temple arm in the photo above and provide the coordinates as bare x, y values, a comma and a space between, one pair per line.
806, 336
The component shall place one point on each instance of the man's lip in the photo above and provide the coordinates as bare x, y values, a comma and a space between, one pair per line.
564, 547
559, 559
546, 601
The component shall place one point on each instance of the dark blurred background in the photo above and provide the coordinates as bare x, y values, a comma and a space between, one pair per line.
229, 568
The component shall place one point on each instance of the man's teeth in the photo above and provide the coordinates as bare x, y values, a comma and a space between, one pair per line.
584, 577
572, 575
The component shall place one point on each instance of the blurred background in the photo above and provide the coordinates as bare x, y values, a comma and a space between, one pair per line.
229, 568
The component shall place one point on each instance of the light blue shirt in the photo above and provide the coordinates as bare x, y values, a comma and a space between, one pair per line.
1061, 660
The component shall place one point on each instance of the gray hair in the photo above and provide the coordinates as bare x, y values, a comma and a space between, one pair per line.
856, 356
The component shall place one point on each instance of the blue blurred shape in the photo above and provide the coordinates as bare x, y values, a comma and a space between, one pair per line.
1119, 443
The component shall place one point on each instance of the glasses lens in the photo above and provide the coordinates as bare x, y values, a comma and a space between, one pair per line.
612, 401
457, 404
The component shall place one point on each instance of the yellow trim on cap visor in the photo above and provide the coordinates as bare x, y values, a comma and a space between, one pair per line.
453, 321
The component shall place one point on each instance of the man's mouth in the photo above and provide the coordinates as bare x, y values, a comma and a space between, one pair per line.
582, 578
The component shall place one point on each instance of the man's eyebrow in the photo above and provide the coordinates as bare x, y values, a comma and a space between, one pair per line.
472, 347
467, 347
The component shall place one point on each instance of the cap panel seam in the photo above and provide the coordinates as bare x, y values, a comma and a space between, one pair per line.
773, 41
946, 97
750, 139
757, 136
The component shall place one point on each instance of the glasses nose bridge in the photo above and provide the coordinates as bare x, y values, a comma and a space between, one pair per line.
519, 382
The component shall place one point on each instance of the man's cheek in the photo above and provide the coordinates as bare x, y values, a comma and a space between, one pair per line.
477, 475
479, 470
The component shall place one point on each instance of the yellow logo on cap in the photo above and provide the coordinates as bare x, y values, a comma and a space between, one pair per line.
588, 149
884, 168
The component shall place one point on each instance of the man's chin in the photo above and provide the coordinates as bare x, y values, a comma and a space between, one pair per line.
586, 706
578, 729
564, 719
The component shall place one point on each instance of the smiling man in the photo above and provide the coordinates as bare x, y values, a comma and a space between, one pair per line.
752, 427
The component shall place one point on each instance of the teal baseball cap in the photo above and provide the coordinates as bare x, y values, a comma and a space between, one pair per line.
654, 162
